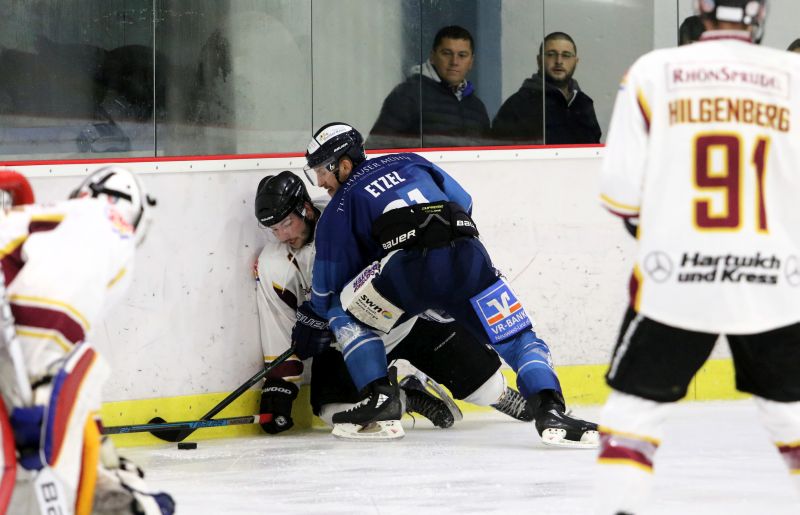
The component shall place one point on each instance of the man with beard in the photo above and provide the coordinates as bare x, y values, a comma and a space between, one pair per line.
569, 116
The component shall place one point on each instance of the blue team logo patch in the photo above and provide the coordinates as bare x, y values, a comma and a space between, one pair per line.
500, 312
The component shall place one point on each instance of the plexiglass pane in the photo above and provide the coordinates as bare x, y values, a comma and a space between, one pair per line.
518, 118
608, 37
77, 79
237, 76
362, 50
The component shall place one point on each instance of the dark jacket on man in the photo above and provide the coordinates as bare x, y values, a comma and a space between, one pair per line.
425, 111
568, 121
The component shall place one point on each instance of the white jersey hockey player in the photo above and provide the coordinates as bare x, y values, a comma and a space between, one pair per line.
442, 351
63, 265
702, 156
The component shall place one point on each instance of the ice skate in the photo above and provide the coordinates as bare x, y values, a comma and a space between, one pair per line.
419, 400
514, 405
377, 417
557, 428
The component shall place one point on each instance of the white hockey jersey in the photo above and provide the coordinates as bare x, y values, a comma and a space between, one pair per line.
703, 148
63, 263
283, 278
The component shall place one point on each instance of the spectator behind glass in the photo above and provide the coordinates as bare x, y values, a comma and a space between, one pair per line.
795, 46
690, 30
569, 112
436, 99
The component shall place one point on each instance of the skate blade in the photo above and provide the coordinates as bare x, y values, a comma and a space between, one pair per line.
555, 438
443, 396
377, 431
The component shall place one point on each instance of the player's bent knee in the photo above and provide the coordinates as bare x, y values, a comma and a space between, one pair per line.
489, 392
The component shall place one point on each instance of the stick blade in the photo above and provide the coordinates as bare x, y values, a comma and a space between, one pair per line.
168, 435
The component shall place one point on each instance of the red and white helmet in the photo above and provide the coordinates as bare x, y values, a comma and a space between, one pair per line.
123, 189
15, 189
749, 12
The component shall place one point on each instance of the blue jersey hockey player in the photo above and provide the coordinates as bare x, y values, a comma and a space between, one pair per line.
397, 240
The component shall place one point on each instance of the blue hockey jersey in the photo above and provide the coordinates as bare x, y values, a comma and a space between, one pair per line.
343, 240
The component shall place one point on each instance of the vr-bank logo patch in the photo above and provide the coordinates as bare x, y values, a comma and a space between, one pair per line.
500, 311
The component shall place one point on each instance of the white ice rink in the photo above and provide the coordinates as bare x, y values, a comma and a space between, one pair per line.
715, 459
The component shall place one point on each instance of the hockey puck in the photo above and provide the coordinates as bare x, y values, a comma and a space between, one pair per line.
187, 445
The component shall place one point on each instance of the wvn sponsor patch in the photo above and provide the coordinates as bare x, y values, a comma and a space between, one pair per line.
500, 311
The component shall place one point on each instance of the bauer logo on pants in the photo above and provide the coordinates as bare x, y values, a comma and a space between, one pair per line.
500, 311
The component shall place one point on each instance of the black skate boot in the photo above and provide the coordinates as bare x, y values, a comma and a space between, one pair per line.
377, 417
557, 427
419, 400
514, 405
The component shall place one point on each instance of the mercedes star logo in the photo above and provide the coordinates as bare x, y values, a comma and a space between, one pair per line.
792, 271
658, 265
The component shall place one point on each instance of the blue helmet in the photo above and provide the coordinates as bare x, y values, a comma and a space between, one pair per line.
329, 144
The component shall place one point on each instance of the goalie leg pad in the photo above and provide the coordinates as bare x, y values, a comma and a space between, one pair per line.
52, 436
8, 459
630, 434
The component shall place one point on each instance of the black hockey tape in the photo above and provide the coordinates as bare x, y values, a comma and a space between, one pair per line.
187, 445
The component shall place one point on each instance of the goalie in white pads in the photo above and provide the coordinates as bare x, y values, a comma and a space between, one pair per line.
702, 151
469, 369
63, 264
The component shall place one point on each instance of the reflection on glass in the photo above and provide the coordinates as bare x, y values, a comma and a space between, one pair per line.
568, 112
580, 92
73, 83
437, 98
355, 70
238, 75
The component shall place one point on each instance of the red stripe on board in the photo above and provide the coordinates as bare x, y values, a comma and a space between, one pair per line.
8, 472
48, 318
233, 157
66, 398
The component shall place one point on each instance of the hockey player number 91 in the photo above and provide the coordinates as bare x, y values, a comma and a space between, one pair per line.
725, 175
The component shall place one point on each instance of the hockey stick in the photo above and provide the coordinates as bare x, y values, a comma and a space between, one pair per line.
189, 424
177, 435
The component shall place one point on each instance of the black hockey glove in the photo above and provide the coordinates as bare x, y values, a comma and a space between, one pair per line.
311, 334
277, 396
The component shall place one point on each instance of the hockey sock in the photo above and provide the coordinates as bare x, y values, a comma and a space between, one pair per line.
782, 420
630, 433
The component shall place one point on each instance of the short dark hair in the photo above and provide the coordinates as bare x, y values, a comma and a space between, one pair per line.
557, 35
453, 32
795, 44
690, 30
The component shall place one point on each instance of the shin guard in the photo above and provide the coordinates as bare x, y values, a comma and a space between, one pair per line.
630, 433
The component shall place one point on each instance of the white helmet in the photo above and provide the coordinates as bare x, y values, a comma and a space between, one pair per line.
749, 12
123, 189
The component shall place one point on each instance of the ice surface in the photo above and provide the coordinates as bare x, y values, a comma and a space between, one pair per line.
715, 459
